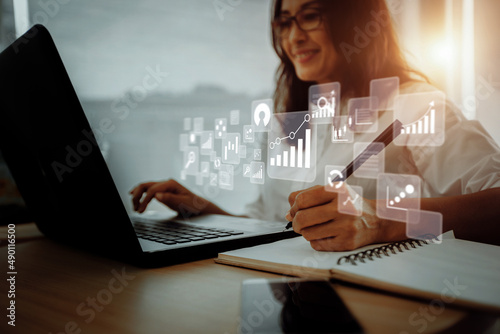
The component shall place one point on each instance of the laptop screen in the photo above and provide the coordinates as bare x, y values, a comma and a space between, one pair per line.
52, 153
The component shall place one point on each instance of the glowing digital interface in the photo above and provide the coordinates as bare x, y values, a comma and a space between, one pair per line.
424, 225
324, 102
262, 111
340, 130
291, 147
334, 178
396, 194
423, 117
383, 92
362, 118
371, 162
284, 146
351, 203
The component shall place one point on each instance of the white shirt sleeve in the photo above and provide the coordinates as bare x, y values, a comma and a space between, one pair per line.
468, 161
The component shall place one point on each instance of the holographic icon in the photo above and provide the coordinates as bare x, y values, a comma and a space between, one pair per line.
191, 161
424, 225
246, 170
257, 172
217, 163
340, 130
192, 138
234, 117
206, 142
213, 179
423, 117
396, 194
334, 178
220, 128
257, 154
291, 149
226, 177
198, 125
371, 161
183, 141
243, 151
205, 168
248, 134
383, 92
324, 102
351, 203
261, 115
230, 148
361, 117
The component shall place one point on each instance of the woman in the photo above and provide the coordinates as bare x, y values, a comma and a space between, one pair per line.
317, 43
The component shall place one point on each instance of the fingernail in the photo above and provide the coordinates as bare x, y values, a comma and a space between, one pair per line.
288, 216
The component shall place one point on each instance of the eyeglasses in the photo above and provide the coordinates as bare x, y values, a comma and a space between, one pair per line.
306, 19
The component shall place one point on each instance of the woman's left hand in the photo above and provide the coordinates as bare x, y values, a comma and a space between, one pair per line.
314, 214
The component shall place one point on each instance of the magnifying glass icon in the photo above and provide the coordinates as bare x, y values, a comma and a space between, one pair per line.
191, 159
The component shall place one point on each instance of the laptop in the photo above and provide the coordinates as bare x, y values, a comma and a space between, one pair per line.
58, 167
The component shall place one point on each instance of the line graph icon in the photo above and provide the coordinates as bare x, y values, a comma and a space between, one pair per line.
291, 147
351, 203
423, 117
283, 160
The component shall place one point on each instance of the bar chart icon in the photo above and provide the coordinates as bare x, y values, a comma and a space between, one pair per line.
257, 174
230, 148
324, 102
291, 148
423, 118
340, 130
425, 125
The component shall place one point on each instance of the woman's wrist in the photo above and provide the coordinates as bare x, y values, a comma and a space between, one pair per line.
390, 231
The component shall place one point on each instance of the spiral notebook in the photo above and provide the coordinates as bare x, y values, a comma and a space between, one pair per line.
447, 270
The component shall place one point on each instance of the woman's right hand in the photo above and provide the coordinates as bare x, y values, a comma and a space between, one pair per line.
173, 195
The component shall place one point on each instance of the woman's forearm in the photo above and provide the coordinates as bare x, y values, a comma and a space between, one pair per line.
473, 216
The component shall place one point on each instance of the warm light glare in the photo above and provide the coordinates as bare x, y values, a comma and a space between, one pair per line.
443, 53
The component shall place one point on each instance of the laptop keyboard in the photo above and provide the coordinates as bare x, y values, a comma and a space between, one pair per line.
172, 233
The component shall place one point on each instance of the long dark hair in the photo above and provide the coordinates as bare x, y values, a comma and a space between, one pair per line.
379, 56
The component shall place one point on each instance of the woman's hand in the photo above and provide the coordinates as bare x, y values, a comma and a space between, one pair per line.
314, 214
173, 195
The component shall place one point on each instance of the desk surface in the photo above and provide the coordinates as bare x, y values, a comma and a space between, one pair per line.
62, 290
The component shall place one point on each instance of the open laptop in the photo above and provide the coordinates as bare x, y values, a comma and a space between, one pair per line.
55, 160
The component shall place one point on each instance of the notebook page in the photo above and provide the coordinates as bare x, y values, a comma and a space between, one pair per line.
295, 251
453, 269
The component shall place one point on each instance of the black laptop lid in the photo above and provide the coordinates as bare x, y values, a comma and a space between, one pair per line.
52, 154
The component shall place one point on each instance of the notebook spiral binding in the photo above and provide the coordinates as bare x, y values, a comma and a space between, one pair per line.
387, 250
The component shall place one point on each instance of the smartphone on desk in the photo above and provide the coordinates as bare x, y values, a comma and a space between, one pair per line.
293, 306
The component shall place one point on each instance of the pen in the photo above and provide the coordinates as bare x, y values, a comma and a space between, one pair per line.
386, 137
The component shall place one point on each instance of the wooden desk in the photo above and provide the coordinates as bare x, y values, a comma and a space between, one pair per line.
64, 290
